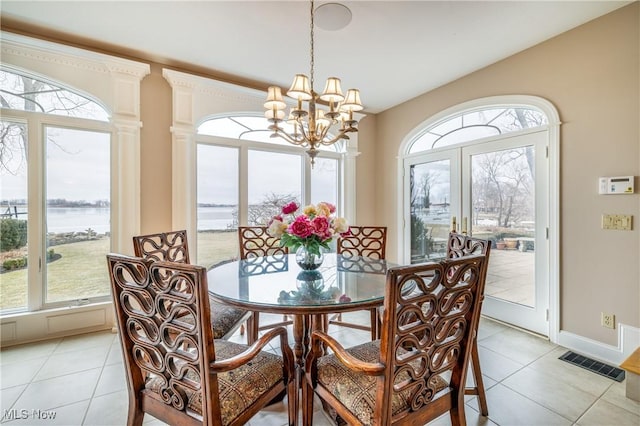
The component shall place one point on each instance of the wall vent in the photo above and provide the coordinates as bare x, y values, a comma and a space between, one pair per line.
594, 366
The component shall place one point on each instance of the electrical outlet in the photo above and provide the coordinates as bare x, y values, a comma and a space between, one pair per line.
608, 320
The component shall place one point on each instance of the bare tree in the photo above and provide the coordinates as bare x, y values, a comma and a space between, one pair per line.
260, 214
502, 180
28, 94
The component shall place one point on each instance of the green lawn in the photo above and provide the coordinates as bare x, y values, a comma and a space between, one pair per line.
82, 272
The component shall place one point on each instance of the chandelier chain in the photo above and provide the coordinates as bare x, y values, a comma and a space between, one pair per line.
312, 49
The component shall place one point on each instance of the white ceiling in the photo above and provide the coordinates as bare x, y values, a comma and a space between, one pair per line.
392, 50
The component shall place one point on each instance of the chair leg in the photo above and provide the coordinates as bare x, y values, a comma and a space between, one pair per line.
242, 330
292, 401
307, 400
135, 414
477, 377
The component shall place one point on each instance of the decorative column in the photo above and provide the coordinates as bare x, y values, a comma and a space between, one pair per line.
126, 182
183, 156
124, 90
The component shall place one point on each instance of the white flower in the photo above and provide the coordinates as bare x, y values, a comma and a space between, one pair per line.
340, 225
276, 228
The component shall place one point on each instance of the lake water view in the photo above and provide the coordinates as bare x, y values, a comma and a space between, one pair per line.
79, 219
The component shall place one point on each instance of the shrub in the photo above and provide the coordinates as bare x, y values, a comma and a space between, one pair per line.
13, 234
12, 264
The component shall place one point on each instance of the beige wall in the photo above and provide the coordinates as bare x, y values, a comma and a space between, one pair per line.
591, 74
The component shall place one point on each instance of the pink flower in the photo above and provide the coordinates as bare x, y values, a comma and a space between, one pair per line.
344, 299
290, 208
321, 227
301, 227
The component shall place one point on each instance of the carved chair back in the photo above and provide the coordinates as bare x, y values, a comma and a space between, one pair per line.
163, 246
163, 313
254, 241
430, 312
364, 241
460, 245
162, 310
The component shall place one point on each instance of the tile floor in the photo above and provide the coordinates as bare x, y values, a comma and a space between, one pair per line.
81, 379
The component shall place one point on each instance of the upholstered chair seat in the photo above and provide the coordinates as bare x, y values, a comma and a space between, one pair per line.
357, 390
238, 389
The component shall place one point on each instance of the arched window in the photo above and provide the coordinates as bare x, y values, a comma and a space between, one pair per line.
67, 138
252, 128
477, 124
69, 126
244, 177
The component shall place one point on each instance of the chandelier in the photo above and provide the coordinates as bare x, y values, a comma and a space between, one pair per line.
313, 126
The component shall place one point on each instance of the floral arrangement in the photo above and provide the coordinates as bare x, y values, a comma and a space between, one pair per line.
312, 228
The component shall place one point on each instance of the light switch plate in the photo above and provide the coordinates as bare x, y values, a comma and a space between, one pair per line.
622, 222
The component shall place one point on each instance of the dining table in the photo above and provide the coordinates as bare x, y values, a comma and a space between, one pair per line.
277, 284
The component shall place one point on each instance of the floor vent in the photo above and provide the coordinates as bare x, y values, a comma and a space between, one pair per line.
594, 366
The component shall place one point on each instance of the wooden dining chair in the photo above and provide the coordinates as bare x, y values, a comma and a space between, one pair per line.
173, 247
175, 370
417, 370
458, 246
362, 241
254, 242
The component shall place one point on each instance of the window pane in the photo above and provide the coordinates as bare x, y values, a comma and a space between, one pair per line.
430, 185
28, 94
324, 181
217, 204
77, 213
466, 127
13, 219
503, 200
274, 179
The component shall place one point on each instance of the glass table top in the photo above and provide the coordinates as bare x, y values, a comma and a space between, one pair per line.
277, 282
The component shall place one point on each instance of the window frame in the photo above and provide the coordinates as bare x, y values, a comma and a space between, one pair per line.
244, 146
114, 84
36, 123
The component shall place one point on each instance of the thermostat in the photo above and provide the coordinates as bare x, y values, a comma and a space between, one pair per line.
616, 185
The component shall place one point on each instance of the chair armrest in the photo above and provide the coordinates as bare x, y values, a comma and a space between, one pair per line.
253, 350
351, 362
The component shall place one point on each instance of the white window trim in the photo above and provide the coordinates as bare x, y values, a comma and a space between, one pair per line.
554, 182
115, 84
196, 99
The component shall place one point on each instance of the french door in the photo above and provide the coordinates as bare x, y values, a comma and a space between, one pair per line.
496, 189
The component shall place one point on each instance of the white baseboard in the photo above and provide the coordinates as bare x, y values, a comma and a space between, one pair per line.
628, 341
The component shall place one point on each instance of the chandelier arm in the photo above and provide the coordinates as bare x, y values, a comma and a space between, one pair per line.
341, 135
284, 135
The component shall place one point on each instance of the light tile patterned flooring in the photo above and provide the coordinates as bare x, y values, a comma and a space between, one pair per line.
82, 380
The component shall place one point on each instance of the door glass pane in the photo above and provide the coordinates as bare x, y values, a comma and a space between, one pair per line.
217, 204
430, 188
13, 219
78, 212
324, 181
274, 180
503, 211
